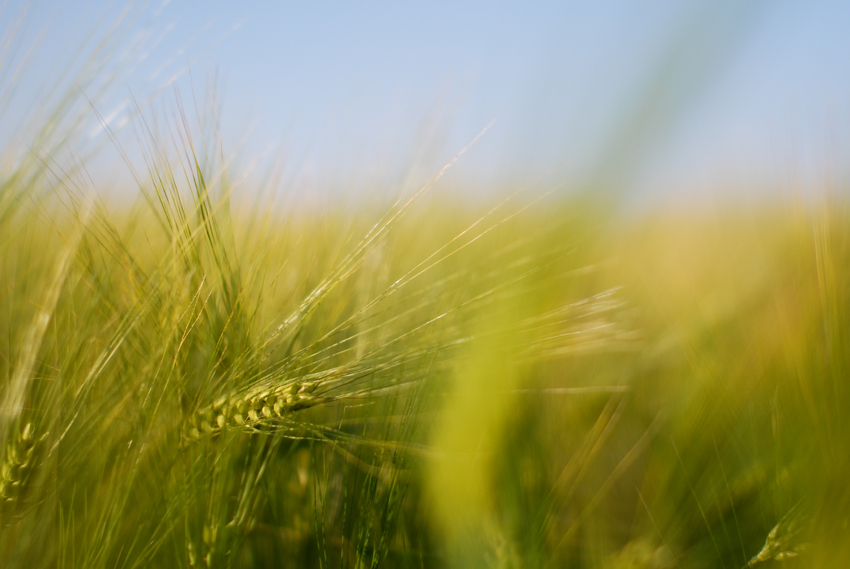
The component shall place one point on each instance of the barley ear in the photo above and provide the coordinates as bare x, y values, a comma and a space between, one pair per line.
783, 542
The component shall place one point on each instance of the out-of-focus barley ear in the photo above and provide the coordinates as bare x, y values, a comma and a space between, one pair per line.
17, 464
783, 542
210, 537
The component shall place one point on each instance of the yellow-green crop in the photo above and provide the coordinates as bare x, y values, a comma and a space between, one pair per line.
193, 380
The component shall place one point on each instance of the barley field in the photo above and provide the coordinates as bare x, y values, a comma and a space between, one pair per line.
205, 377
537, 382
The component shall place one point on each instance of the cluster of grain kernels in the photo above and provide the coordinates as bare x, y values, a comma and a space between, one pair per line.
254, 408
17, 464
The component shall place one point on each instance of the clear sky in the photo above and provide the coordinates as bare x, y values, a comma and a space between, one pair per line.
661, 96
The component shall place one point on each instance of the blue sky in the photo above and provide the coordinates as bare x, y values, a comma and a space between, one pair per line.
674, 97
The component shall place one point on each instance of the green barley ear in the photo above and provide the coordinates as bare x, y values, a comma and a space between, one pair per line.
254, 407
17, 465
210, 538
784, 540
190, 549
